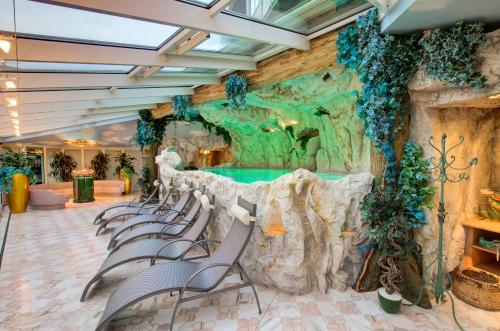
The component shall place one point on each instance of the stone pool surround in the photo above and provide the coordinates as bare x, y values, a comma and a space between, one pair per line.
321, 220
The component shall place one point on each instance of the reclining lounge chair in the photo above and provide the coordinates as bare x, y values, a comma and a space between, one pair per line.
150, 211
133, 203
154, 249
175, 221
189, 276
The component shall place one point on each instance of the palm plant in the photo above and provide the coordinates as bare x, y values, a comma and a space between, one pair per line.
62, 165
100, 164
125, 165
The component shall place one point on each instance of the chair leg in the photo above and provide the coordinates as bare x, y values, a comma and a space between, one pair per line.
177, 304
243, 273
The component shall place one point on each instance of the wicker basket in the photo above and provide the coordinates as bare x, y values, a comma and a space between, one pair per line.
478, 288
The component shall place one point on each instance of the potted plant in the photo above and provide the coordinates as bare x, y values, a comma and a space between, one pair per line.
100, 164
62, 165
125, 170
15, 177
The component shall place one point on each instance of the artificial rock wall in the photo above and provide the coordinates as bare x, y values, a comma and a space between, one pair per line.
437, 109
305, 122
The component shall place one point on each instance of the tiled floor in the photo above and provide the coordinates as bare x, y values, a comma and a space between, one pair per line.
50, 255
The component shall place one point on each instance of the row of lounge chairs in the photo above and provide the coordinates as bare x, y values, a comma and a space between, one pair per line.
155, 230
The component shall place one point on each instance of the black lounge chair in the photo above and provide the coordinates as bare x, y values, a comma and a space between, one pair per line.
147, 210
154, 249
151, 200
135, 224
192, 276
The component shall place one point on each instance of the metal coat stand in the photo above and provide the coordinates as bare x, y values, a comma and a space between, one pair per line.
442, 164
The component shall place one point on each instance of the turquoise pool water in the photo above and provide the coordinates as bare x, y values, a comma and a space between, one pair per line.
248, 176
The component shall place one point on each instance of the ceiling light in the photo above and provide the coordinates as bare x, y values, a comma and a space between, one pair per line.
10, 84
14, 113
11, 102
496, 96
15, 121
18, 133
5, 45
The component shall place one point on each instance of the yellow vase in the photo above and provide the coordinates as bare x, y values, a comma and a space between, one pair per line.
18, 196
128, 182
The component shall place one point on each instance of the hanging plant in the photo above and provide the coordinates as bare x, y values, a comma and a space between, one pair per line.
150, 131
236, 90
183, 107
62, 165
450, 55
100, 164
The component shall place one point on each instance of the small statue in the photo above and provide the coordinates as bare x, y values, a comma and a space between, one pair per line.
493, 210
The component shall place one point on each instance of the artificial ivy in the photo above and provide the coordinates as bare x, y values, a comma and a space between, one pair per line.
415, 184
236, 90
183, 107
385, 65
150, 131
450, 55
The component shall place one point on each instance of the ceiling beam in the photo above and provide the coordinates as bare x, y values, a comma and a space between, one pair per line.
58, 51
191, 17
219, 6
192, 42
178, 39
88, 104
68, 128
102, 94
60, 80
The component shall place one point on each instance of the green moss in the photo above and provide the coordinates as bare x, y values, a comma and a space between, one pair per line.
266, 131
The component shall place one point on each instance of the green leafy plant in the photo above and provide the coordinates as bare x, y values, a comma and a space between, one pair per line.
125, 165
236, 90
14, 162
450, 54
62, 165
150, 131
100, 164
145, 180
415, 184
183, 107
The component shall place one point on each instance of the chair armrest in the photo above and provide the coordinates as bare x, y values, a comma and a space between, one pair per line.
215, 265
198, 243
153, 260
168, 226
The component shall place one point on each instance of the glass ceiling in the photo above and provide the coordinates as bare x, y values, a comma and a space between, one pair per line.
222, 44
63, 67
181, 69
303, 16
56, 22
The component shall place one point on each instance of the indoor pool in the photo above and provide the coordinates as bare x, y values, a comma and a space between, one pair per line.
248, 176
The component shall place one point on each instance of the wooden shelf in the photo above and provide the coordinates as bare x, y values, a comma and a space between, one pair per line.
486, 249
483, 224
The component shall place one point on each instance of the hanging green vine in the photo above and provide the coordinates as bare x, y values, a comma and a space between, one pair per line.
450, 55
183, 107
415, 184
236, 90
150, 131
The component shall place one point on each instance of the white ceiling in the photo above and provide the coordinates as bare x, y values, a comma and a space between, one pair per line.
83, 64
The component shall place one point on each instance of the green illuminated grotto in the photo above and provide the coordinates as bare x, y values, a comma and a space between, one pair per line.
305, 122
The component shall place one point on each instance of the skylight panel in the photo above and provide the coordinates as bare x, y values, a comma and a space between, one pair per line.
223, 44
56, 22
63, 67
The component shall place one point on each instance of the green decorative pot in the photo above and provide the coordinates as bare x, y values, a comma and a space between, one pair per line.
83, 189
390, 303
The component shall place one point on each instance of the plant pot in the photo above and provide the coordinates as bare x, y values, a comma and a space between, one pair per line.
390, 303
18, 196
128, 182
